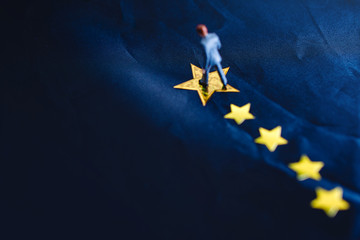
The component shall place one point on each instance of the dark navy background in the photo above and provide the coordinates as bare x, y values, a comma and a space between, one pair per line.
96, 144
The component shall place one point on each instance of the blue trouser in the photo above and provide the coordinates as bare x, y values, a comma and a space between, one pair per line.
219, 70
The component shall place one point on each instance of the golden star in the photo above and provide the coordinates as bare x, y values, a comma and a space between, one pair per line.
239, 114
305, 168
330, 201
271, 138
214, 84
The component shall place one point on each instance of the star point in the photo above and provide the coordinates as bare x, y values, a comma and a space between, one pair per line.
239, 114
214, 84
271, 138
306, 168
330, 201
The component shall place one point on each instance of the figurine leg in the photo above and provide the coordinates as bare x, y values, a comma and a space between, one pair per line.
207, 70
221, 73
205, 79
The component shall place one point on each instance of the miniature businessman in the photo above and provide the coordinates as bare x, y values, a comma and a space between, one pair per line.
211, 44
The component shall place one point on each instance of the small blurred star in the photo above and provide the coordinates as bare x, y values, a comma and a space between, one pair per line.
271, 138
306, 168
239, 114
330, 201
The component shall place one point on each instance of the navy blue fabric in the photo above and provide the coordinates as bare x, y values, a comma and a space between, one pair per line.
96, 143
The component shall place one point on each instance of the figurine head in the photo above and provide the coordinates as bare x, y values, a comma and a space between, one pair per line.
202, 30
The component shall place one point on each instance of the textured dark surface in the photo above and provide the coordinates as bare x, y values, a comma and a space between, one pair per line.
96, 143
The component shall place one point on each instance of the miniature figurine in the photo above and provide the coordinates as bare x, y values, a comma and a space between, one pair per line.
211, 44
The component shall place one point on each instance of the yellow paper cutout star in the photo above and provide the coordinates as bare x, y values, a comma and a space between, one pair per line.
330, 201
239, 114
306, 168
214, 84
271, 138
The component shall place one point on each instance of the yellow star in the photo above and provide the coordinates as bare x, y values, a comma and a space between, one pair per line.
214, 84
330, 201
239, 114
271, 138
305, 168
